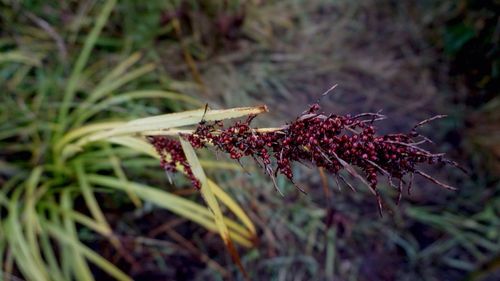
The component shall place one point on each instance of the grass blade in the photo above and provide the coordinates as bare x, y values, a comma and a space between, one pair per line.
21, 250
19, 57
175, 120
105, 265
82, 60
129, 96
82, 131
213, 205
106, 88
232, 205
89, 197
176, 204
79, 264
121, 68
117, 168
48, 252
30, 216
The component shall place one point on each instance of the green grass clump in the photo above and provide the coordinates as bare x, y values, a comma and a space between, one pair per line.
55, 177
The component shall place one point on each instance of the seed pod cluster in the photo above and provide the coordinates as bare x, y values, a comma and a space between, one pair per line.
332, 142
172, 155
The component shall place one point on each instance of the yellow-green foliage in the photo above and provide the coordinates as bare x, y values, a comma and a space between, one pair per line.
39, 236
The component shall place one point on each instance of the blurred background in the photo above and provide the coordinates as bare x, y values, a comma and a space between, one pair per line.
410, 59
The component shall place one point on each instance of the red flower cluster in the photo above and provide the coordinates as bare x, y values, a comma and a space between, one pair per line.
331, 142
